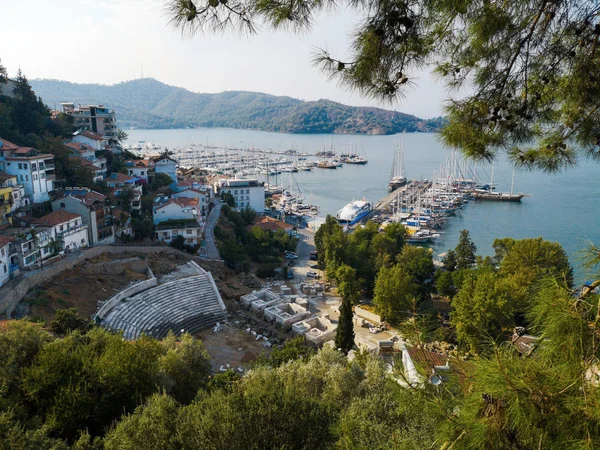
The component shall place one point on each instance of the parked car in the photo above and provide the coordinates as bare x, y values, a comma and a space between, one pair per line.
290, 274
290, 256
314, 266
313, 257
314, 252
313, 275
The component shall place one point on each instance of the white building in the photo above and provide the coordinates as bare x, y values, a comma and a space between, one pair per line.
247, 192
66, 228
91, 139
139, 168
35, 171
202, 197
94, 212
190, 230
166, 165
177, 209
6, 266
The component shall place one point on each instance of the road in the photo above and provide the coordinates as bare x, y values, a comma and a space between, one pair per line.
211, 251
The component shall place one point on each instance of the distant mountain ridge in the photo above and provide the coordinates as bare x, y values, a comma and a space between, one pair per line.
148, 103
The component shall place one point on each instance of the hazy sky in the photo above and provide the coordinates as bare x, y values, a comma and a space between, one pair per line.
109, 41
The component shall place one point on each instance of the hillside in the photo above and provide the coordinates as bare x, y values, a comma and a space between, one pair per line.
148, 103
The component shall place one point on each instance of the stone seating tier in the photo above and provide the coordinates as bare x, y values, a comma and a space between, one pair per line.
190, 304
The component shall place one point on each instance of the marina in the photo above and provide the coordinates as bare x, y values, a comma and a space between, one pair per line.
330, 190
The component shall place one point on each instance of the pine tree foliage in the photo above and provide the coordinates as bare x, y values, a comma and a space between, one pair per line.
531, 65
465, 251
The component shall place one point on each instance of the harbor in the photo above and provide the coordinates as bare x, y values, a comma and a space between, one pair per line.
331, 190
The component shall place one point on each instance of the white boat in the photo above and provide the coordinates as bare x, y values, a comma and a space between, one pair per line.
397, 177
353, 212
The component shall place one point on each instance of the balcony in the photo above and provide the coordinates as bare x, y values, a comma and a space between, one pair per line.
48, 166
70, 231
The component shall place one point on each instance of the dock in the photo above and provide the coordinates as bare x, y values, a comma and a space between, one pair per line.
409, 193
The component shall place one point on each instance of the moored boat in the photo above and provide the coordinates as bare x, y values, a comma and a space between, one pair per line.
353, 212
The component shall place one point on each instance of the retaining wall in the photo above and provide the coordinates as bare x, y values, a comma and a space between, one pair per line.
371, 317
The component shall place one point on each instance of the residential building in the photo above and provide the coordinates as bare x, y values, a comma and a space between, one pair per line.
66, 228
8, 183
94, 211
95, 171
167, 165
94, 140
190, 229
31, 244
35, 171
135, 203
139, 168
202, 197
117, 179
247, 192
177, 209
8, 265
96, 118
88, 152
274, 225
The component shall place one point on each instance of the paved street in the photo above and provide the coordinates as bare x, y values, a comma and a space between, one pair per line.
212, 252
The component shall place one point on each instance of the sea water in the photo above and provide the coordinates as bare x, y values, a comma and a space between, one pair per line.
564, 208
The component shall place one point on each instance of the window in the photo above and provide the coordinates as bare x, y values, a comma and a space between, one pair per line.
33, 166
61, 228
62, 205
247, 191
142, 172
21, 177
241, 203
42, 175
26, 177
188, 231
4, 265
236, 192
34, 177
2, 251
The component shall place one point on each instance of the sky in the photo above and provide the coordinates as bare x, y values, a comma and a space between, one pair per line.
110, 41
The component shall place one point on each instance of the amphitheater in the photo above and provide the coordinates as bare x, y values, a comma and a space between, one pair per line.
188, 304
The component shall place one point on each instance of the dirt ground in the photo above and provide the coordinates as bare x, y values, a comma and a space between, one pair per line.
232, 346
74, 289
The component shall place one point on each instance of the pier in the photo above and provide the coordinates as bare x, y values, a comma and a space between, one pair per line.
409, 194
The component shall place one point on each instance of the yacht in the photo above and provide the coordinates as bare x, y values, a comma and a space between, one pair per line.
397, 178
353, 212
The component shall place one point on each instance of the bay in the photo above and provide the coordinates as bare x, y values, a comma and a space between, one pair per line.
564, 207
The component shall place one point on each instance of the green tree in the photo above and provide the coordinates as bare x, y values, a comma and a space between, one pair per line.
67, 320
418, 263
450, 261
530, 67
228, 199
465, 251
393, 287
143, 227
349, 290
122, 135
160, 180
482, 309
151, 426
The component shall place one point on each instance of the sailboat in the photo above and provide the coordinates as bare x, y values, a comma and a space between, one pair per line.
358, 157
482, 194
397, 178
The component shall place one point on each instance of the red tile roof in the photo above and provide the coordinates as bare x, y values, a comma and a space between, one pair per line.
5, 240
6, 145
268, 223
183, 202
138, 163
4, 176
79, 147
84, 162
55, 218
117, 177
426, 359
91, 135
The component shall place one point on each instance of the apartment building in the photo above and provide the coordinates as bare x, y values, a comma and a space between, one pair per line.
33, 170
247, 192
96, 118
94, 211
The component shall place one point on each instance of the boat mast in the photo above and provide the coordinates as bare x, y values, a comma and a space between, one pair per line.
512, 183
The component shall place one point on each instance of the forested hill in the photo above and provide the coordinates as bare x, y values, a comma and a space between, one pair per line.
148, 103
